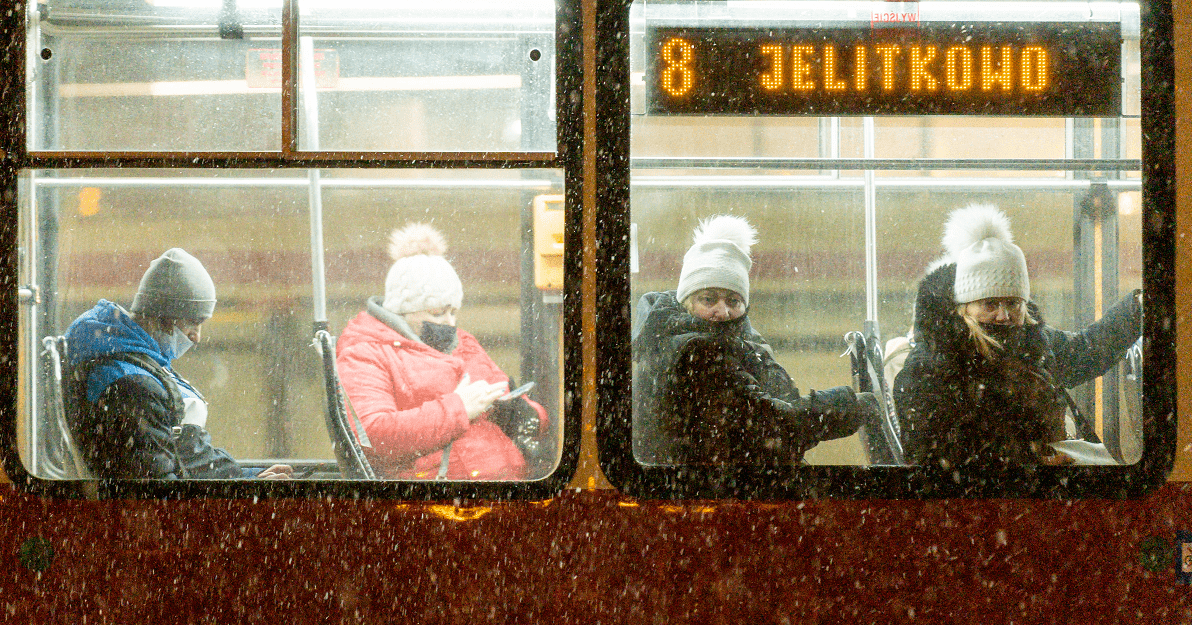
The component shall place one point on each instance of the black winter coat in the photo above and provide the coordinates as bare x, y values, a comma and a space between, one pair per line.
712, 393
127, 434
958, 409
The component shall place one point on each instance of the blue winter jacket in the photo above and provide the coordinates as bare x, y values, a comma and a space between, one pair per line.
122, 416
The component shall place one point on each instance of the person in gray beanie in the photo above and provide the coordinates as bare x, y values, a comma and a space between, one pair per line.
984, 383
706, 387
132, 414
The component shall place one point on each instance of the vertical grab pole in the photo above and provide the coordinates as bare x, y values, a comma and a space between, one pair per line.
310, 104
891, 452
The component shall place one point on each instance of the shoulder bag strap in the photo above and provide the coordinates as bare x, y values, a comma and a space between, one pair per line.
443, 463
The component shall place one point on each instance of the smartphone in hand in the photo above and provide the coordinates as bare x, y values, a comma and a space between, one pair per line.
517, 392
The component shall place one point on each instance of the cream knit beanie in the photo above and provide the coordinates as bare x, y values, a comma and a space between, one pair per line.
719, 258
420, 278
988, 263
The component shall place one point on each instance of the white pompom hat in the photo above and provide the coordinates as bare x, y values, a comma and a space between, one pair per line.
988, 263
719, 257
420, 278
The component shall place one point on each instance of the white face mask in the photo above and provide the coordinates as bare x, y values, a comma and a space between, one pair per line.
177, 343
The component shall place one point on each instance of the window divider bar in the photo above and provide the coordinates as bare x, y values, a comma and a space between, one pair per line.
1074, 164
289, 77
293, 159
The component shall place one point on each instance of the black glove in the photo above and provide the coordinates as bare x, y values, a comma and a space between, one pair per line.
519, 421
840, 412
505, 415
758, 399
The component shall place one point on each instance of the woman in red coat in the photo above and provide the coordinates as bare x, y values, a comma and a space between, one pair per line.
425, 389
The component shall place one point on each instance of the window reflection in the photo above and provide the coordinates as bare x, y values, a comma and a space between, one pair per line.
207, 76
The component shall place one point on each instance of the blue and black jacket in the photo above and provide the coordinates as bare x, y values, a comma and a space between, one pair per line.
125, 406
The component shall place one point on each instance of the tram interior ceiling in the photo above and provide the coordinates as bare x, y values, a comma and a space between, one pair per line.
355, 178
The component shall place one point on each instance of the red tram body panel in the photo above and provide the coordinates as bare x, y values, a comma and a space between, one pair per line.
590, 553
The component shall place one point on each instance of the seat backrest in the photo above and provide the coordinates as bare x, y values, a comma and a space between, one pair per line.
60, 457
345, 439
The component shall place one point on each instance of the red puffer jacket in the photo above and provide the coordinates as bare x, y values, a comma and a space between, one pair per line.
403, 392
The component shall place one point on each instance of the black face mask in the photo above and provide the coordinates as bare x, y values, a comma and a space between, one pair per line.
439, 336
1012, 338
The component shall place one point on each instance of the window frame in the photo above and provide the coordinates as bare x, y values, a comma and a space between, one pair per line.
614, 413
567, 158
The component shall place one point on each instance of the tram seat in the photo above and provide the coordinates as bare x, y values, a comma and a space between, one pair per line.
345, 429
881, 440
1129, 439
60, 458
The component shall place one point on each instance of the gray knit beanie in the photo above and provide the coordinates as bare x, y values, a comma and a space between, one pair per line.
719, 257
176, 286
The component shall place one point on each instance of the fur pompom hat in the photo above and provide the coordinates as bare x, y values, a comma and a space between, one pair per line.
420, 278
719, 257
988, 263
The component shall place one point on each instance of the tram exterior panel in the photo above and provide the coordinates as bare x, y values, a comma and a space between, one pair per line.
101, 187
829, 264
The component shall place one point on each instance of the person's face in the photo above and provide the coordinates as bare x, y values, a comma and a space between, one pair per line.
443, 316
717, 304
191, 328
1006, 311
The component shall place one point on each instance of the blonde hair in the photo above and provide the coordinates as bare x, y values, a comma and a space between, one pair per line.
985, 344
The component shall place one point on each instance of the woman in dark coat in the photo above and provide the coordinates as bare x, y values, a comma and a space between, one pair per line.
984, 383
707, 389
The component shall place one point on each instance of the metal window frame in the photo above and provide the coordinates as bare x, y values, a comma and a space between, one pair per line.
614, 412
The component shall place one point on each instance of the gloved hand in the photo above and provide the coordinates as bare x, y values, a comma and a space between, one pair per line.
870, 410
519, 421
747, 387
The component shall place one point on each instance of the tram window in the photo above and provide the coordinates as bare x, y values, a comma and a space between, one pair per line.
261, 236
849, 201
459, 76
187, 76
444, 76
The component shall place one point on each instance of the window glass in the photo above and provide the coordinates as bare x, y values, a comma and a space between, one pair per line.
154, 76
196, 75
841, 248
287, 249
411, 76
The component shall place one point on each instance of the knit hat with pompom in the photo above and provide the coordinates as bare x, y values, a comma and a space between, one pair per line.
719, 258
988, 263
420, 278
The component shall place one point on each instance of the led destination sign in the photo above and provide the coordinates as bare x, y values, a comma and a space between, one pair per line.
1068, 70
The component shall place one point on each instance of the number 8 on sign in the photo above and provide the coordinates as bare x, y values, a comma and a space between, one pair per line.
677, 76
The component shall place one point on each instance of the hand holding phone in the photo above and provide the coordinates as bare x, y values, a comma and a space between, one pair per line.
517, 392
